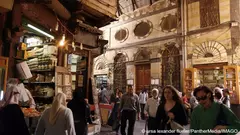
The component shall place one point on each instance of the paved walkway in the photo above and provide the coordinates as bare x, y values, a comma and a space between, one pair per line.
138, 130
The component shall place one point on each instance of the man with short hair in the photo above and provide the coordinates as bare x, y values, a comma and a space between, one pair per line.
129, 108
210, 114
151, 110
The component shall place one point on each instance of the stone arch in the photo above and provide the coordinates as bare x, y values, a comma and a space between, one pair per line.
142, 54
122, 53
100, 63
171, 66
209, 49
210, 52
119, 69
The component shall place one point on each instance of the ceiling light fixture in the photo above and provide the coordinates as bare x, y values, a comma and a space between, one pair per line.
1, 95
56, 28
81, 46
38, 30
73, 46
62, 42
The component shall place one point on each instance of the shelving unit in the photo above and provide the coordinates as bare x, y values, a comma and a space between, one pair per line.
190, 80
3, 74
101, 80
232, 82
211, 77
63, 82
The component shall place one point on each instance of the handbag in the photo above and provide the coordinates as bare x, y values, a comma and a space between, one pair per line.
176, 126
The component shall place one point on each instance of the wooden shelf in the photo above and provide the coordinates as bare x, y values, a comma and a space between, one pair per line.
44, 70
64, 85
230, 79
20, 59
39, 82
42, 96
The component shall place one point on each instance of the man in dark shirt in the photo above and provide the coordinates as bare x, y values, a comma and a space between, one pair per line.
129, 108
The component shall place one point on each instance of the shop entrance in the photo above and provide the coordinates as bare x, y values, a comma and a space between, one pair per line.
143, 77
211, 74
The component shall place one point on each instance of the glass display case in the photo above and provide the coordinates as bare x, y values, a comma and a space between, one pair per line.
101, 80
191, 80
64, 81
3, 75
211, 77
231, 81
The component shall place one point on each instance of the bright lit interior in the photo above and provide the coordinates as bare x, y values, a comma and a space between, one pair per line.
38, 30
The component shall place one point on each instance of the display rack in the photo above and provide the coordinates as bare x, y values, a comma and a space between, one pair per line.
63, 81
231, 81
211, 77
190, 80
3, 74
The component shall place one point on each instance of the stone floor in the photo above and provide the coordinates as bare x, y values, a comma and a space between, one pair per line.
138, 130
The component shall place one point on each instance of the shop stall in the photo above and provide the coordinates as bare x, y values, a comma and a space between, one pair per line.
212, 75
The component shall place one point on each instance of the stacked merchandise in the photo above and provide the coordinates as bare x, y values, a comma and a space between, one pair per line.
42, 58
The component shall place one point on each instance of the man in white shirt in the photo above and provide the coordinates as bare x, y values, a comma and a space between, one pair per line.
143, 96
150, 110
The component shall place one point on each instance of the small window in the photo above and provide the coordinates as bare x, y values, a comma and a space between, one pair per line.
143, 29
121, 35
169, 23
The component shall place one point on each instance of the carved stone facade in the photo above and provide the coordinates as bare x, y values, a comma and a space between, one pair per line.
214, 41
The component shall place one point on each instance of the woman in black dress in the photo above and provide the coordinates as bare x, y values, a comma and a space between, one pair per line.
170, 108
81, 112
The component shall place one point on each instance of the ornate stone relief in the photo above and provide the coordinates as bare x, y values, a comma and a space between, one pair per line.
100, 63
209, 52
143, 29
142, 54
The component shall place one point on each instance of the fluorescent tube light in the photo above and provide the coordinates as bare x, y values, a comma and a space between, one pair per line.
38, 30
1, 95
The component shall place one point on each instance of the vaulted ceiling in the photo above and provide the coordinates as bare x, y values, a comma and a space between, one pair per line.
125, 6
90, 11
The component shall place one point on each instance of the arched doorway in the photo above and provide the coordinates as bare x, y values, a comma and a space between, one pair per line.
119, 72
171, 66
143, 70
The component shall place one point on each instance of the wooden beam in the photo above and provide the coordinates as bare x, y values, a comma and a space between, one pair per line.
133, 5
40, 14
119, 9
150, 2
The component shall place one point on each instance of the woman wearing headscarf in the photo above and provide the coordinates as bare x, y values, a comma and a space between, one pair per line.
81, 112
12, 120
226, 98
56, 120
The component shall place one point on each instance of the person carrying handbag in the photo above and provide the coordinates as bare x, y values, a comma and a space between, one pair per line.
170, 108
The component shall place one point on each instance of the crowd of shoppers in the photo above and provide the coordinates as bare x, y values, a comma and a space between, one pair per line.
209, 109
